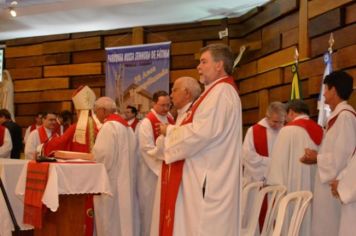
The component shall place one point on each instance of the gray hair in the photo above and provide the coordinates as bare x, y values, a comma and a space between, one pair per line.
221, 52
277, 108
105, 102
192, 85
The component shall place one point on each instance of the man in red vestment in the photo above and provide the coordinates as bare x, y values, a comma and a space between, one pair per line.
131, 116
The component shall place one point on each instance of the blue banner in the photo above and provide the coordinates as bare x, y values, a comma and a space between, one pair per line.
324, 110
134, 73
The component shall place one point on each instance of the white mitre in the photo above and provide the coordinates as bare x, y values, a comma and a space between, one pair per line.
83, 99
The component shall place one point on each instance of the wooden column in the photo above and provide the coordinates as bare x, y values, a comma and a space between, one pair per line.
304, 48
138, 35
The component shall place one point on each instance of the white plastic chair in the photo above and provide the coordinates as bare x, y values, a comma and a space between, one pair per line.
302, 201
275, 194
249, 195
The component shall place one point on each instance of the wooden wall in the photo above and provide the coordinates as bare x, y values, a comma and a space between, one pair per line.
47, 69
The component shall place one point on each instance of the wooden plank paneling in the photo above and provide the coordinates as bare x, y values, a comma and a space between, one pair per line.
90, 80
26, 73
36, 40
89, 56
271, 11
263, 100
350, 14
247, 70
345, 57
186, 47
53, 59
282, 93
318, 7
41, 84
325, 22
72, 45
183, 62
261, 81
249, 101
74, 69
275, 60
48, 96
34, 108
250, 116
314, 84
290, 37
343, 37
175, 74
118, 40
24, 51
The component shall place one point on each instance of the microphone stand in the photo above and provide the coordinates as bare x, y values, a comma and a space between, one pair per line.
12, 215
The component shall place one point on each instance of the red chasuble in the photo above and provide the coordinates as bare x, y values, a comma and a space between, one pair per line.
33, 127
2, 135
172, 174
313, 129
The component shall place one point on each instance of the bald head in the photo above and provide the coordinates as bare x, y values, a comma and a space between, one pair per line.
184, 91
103, 107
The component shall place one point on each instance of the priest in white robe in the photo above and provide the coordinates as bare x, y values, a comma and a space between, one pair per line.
344, 188
149, 166
285, 167
209, 141
115, 147
335, 151
256, 164
184, 92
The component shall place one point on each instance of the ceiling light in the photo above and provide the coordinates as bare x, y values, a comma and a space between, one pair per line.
13, 12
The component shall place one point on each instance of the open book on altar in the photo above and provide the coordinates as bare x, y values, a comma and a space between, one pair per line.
68, 155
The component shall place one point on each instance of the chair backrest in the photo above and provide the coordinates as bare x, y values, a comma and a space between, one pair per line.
274, 193
302, 201
249, 196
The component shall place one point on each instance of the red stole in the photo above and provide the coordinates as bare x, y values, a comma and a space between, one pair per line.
33, 127
134, 124
313, 129
260, 139
2, 135
117, 118
172, 173
332, 120
43, 134
36, 181
154, 121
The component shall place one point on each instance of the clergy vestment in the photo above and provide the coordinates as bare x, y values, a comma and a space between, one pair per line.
210, 146
158, 151
29, 130
34, 141
347, 193
115, 147
5, 142
335, 151
149, 168
287, 169
133, 123
255, 164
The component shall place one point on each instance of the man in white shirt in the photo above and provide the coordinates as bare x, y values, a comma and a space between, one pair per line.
131, 116
285, 167
149, 166
336, 150
115, 147
40, 135
206, 148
